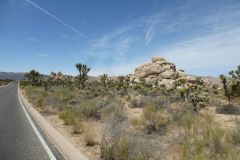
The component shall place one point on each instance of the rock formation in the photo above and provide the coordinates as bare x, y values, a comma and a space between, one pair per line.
160, 72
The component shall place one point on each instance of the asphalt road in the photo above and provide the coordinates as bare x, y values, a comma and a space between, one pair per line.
18, 141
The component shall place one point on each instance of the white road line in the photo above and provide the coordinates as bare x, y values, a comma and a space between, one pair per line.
45, 146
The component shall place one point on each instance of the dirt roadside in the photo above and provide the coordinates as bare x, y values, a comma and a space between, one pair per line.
69, 151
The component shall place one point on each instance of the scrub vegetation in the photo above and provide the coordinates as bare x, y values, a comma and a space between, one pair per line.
141, 122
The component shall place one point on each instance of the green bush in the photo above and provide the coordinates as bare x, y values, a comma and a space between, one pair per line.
89, 109
204, 140
154, 119
116, 149
39, 102
68, 117
77, 127
24, 83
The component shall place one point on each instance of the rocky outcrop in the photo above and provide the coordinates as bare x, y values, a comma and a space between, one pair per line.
160, 72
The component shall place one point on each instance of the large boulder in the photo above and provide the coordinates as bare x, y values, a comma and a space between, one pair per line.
170, 74
156, 71
156, 59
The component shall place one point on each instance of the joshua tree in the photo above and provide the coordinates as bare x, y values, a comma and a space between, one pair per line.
235, 74
104, 79
34, 77
123, 82
82, 77
226, 87
182, 87
235, 81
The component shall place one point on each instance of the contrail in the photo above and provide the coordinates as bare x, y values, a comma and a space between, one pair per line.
56, 18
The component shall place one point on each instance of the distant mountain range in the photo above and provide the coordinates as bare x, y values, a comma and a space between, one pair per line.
12, 75
20, 76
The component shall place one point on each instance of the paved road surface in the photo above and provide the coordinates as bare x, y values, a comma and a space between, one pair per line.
18, 141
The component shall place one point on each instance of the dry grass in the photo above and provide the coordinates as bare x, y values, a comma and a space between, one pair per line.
89, 137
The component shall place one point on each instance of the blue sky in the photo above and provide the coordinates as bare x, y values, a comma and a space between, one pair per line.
114, 37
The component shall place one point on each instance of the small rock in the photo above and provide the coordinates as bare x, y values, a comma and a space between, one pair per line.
156, 59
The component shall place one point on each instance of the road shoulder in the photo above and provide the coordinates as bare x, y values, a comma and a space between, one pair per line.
67, 149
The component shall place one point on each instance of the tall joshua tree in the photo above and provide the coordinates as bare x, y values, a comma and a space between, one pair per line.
235, 81
225, 87
82, 77
235, 74
34, 77
104, 79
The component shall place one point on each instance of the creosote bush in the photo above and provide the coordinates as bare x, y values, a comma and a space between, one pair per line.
39, 102
68, 117
228, 108
115, 142
77, 127
203, 139
154, 119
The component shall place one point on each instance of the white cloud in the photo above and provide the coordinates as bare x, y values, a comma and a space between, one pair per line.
201, 42
219, 51
150, 28
113, 45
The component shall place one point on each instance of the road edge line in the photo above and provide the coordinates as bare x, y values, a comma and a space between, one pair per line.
44, 144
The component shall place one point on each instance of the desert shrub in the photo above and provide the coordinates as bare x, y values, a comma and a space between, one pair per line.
188, 122
136, 123
115, 150
53, 101
177, 113
121, 92
142, 88
175, 97
207, 143
115, 142
89, 109
154, 119
96, 108
118, 143
65, 95
235, 134
39, 102
77, 127
68, 117
109, 108
89, 137
24, 83
159, 102
204, 140
137, 103
228, 108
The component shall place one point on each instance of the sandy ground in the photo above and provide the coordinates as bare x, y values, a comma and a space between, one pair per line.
93, 153
223, 120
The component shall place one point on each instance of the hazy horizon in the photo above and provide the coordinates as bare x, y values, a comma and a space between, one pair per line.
114, 37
